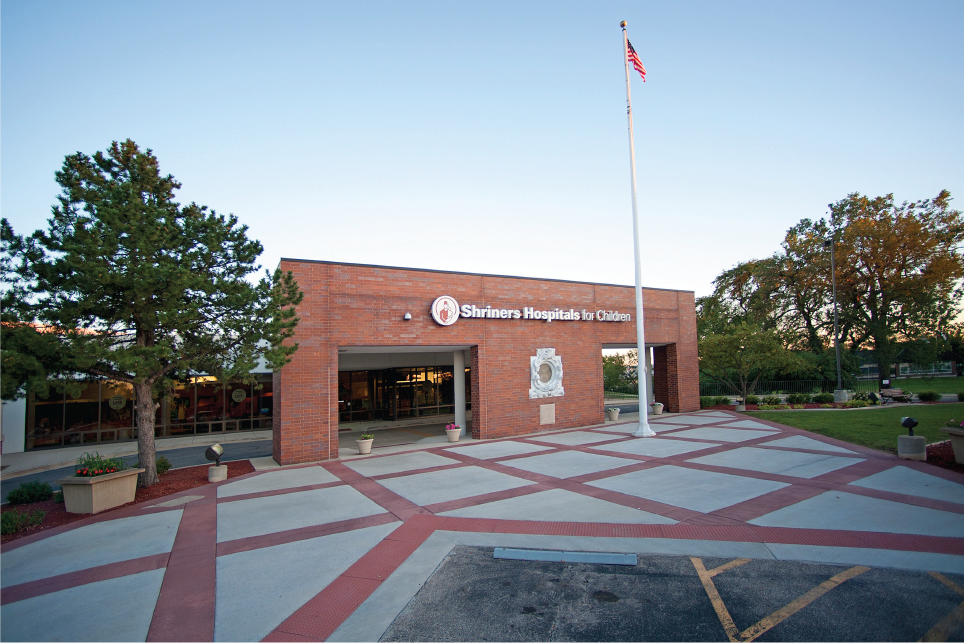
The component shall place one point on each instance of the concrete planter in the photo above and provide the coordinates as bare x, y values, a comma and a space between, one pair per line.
100, 493
613, 415
453, 434
957, 443
657, 409
364, 446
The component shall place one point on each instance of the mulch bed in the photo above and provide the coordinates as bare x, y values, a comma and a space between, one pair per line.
941, 454
173, 481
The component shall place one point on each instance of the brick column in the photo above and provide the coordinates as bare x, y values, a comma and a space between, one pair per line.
666, 377
478, 412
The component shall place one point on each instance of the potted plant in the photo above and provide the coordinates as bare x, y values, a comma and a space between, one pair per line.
612, 413
657, 408
99, 484
453, 431
365, 443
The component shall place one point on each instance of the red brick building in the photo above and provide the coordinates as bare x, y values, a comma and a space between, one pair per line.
370, 347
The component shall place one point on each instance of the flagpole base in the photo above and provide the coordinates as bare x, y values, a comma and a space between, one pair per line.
644, 431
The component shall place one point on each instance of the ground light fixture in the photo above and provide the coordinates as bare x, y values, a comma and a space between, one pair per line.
408, 317
213, 453
908, 423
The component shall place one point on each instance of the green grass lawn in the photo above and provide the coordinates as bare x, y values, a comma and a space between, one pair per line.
874, 427
936, 384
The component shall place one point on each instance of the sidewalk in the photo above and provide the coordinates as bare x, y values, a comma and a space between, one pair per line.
21, 464
336, 550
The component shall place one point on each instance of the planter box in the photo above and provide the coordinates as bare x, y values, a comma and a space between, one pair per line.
100, 493
957, 443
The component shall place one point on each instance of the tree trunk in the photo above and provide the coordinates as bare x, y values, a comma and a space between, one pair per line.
146, 453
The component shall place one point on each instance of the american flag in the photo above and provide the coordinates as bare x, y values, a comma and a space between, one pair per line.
634, 58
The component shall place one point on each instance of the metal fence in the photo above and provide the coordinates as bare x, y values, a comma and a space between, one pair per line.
777, 387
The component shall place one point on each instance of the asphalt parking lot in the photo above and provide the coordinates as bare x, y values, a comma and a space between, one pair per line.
472, 596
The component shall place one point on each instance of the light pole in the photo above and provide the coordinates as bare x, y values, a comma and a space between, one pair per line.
839, 395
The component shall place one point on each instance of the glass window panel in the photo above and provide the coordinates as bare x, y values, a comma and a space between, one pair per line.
263, 407
446, 386
210, 400
81, 412
116, 405
181, 409
48, 421
239, 401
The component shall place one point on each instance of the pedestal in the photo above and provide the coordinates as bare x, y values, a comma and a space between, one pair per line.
217, 474
912, 447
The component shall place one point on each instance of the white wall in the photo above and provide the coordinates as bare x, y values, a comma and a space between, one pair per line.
14, 426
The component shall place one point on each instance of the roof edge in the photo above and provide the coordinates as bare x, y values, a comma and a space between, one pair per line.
474, 274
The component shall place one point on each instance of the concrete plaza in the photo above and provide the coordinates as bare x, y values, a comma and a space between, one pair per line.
337, 550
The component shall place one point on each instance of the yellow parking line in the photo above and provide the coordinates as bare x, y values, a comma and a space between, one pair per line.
777, 617
795, 606
946, 626
728, 625
947, 581
730, 565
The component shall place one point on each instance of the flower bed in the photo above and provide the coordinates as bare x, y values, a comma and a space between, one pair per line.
173, 481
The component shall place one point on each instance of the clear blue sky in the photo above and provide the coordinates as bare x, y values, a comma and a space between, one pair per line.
491, 137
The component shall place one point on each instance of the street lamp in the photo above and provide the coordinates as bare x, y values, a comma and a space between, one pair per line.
839, 395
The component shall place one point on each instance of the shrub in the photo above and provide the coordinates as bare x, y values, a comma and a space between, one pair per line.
162, 463
823, 398
799, 406
856, 404
722, 400
798, 398
928, 396
827, 406
860, 395
13, 521
59, 496
771, 400
752, 399
960, 397
707, 401
94, 464
29, 492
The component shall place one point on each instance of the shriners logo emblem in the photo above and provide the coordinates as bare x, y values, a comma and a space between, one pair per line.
445, 310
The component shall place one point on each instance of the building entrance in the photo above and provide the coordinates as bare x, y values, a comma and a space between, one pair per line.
394, 394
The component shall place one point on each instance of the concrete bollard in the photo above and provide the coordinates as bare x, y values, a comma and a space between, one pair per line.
912, 447
217, 474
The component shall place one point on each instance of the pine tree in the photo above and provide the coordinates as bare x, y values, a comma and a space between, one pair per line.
143, 290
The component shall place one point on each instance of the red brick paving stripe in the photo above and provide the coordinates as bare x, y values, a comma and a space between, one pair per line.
317, 619
930, 503
729, 533
401, 507
185, 607
618, 471
495, 496
304, 533
402, 474
280, 492
769, 502
60, 582
856, 471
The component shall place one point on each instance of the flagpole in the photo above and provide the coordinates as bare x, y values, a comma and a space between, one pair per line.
644, 431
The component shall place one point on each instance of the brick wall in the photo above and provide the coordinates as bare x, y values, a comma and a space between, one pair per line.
350, 305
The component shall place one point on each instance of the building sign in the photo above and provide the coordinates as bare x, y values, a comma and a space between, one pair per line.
117, 402
238, 395
446, 311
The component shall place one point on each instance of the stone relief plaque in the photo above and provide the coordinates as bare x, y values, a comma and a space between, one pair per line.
545, 374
